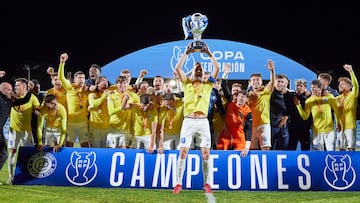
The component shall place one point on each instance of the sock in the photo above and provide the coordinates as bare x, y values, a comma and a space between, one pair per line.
11, 164
181, 170
205, 167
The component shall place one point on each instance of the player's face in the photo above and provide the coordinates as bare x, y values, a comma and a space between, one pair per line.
121, 86
103, 84
300, 88
323, 82
235, 90
255, 82
144, 88
218, 84
198, 72
56, 82
94, 73
128, 76
20, 87
167, 87
315, 90
158, 83
51, 105
280, 84
79, 80
344, 86
169, 103
241, 99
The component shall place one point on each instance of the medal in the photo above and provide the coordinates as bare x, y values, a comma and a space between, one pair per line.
99, 111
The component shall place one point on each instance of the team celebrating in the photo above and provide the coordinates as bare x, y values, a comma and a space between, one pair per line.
200, 111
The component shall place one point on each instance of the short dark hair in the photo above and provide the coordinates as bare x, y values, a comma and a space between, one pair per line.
121, 78
49, 97
325, 76
96, 66
244, 92
317, 82
78, 73
255, 75
282, 76
22, 80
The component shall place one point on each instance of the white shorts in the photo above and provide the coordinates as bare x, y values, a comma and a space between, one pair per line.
347, 139
23, 138
117, 138
195, 128
324, 141
51, 136
79, 130
261, 136
141, 142
171, 142
98, 137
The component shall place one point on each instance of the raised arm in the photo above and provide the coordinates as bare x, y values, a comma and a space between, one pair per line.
216, 70
61, 71
271, 66
178, 68
354, 81
224, 83
140, 78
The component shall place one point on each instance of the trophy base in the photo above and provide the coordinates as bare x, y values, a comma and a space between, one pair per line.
197, 46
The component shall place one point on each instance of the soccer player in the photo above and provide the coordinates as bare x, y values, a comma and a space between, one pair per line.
20, 124
320, 107
170, 120
94, 74
77, 104
99, 116
347, 103
6, 101
197, 94
238, 125
325, 79
259, 103
145, 122
55, 126
57, 89
119, 134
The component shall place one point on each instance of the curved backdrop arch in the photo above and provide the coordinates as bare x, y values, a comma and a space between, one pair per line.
245, 59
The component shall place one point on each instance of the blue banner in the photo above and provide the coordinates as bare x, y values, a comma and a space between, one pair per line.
129, 168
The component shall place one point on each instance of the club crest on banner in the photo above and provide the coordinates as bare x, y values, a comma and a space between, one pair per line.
82, 168
339, 172
41, 164
178, 51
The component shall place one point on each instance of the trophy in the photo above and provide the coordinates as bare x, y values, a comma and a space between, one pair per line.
194, 25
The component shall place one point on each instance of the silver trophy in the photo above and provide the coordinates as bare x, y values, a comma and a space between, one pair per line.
194, 25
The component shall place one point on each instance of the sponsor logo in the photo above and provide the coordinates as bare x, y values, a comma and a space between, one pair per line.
42, 164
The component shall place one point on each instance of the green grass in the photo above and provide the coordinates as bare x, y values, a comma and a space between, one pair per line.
46, 194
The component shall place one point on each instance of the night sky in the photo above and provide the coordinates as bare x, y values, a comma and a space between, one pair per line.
320, 37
